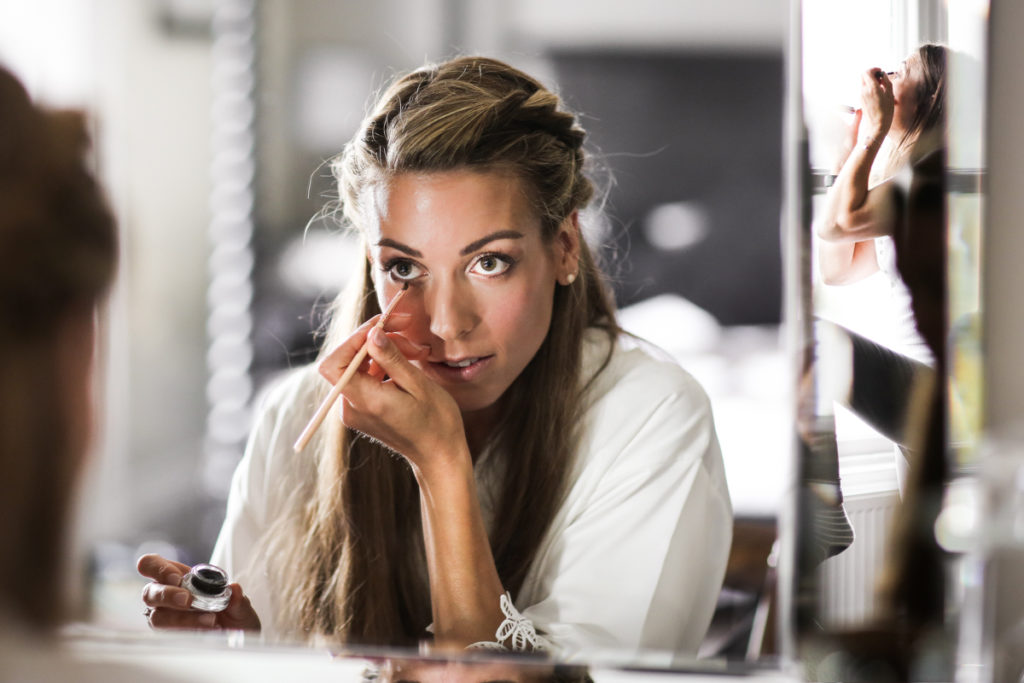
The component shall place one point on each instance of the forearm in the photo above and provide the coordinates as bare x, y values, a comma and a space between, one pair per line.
464, 583
847, 216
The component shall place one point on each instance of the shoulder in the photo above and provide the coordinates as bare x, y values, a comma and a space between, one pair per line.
638, 374
647, 430
645, 407
284, 405
283, 408
289, 392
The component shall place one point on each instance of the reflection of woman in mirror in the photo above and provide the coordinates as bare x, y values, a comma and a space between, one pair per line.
878, 360
903, 110
506, 439
893, 220
57, 255
891, 340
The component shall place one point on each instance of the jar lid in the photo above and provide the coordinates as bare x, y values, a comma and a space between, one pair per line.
208, 579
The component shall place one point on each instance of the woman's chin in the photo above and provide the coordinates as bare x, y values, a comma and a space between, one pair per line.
474, 404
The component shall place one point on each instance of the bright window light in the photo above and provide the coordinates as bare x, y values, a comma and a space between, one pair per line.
48, 45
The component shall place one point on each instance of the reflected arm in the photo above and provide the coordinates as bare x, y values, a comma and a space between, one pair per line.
853, 212
844, 263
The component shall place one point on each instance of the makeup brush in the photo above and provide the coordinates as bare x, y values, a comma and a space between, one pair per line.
339, 386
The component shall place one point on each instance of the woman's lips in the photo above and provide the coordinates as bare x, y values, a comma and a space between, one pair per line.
463, 370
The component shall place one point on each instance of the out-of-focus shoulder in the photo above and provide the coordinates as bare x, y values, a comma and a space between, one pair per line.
270, 468
292, 391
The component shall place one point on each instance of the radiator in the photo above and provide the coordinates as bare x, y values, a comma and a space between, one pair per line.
847, 581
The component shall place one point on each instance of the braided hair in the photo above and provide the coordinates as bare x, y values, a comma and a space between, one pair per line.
471, 112
358, 549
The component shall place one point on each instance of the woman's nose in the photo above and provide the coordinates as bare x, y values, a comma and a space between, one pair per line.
451, 310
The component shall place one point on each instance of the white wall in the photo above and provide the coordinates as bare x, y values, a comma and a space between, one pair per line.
733, 25
152, 104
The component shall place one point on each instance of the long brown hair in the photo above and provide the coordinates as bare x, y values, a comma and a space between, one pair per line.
930, 116
57, 257
358, 552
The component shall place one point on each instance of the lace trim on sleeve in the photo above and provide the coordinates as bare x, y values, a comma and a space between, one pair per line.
515, 634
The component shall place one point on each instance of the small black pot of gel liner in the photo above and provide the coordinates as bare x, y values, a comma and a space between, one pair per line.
209, 587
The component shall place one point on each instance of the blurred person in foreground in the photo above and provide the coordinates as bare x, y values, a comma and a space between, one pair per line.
58, 252
58, 249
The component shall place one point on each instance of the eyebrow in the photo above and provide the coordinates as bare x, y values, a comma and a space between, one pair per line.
387, 242
465, 251
500, 235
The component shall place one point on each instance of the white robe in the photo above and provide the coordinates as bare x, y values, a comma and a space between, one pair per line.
634, 558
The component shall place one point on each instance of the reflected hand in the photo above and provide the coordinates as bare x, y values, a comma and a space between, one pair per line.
877, 103
169, 604
849, 140
396, 404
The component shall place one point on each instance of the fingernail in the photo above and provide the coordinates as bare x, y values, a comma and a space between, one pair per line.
173, 579
208, 619
379, 338
181, 599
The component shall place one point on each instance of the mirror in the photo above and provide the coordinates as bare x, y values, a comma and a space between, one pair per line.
891, 323
673, 215
695, 176
219, 293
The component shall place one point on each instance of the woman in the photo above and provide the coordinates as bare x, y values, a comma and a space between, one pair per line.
904, 109
57, 256
539, 458
58, 250
897, 227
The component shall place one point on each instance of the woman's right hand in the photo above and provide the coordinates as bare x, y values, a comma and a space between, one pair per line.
877, 103
409, 413
849, 141
168, 604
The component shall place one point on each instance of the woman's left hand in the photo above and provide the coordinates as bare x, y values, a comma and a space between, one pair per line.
396, 403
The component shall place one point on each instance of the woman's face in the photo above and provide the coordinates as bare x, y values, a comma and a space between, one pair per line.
906, 82
481, 276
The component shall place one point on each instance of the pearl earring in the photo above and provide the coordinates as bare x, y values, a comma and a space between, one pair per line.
571, 278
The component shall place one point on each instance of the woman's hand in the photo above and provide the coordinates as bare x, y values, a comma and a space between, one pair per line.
849, 141
392, 401
169, 604
877, 104
855, 213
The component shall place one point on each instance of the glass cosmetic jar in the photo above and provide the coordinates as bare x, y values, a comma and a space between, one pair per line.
209, 587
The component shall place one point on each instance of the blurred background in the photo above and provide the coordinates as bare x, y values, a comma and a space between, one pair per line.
213, 122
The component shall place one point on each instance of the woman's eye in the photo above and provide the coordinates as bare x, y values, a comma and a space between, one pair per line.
491, 264
402, 270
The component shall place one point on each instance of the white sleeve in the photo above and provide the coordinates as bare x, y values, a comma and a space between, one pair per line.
638, 560
264, 476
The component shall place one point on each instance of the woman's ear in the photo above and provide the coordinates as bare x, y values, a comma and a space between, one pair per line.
567, 249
